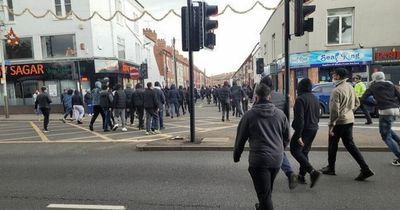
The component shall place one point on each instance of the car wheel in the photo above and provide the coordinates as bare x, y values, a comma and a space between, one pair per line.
321, 110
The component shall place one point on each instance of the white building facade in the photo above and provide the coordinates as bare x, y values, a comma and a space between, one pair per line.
73, 53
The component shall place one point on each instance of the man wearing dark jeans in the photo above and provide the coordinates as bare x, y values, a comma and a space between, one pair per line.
343, 102
224, 96
96, 105
137, 100
305, 125
388, 100
43, 101
267, 130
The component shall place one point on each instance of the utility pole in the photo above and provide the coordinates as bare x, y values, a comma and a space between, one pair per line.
191, 85
287, 70
4, 77
175, 70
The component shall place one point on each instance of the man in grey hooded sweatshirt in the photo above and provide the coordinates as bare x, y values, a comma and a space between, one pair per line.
96, 105
267, 130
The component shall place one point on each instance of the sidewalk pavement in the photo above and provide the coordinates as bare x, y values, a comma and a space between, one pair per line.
223, 139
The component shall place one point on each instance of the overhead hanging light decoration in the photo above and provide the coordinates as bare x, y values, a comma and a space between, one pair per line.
11, 38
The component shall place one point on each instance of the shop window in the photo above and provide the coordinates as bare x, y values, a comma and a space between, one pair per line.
53, 91
340, 26
121, 47
59, 46
63, 7
28, 89
21, 51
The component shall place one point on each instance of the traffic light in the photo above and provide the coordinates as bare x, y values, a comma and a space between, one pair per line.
203, 28
260, 65
197, 42
207, 36
300, 12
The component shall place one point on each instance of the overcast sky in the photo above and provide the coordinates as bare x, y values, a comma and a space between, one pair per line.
236, 34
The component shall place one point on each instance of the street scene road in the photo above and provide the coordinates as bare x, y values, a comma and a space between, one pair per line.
27, 129
72, 165
34, 176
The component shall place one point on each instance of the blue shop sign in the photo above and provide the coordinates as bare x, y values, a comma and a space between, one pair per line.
299, 60
341, 57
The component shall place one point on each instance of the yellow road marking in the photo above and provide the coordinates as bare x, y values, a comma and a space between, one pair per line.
39, 132
93, 132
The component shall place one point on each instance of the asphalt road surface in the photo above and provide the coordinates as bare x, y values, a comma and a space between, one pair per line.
33, 176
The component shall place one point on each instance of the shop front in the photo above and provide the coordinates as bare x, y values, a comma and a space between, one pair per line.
356, 61
387, 59
24, 79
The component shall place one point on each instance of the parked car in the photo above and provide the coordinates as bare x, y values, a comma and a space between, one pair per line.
323, 92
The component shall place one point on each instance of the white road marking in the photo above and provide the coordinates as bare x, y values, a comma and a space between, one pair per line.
81, 206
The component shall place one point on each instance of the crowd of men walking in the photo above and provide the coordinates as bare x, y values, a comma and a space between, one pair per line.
267, 129
120, 107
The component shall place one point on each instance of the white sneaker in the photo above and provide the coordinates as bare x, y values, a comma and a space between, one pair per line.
147, 133
396, 162
115, 127
157, 131
124, 129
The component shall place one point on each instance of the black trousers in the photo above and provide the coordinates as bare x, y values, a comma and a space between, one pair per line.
140, 111
225, 110
131, 115
263, 180
300, 153
46, 115
245, 105
96, 111
344, 132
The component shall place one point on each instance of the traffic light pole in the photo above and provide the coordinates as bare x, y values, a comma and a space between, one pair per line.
287, 70
191, 83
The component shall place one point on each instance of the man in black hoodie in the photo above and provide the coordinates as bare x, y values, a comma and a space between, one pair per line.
305, 125
267, 129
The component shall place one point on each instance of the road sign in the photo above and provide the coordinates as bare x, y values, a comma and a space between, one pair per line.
134, 73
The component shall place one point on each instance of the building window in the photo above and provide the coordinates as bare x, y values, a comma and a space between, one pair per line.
118, 7
22, 50
67, 6
63, 7
11, 8
340, 26
121, 47
136, 23
59, 46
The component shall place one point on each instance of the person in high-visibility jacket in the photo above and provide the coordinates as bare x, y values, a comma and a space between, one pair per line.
360, 89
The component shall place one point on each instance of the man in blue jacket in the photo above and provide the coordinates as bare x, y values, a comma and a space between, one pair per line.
267, 130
